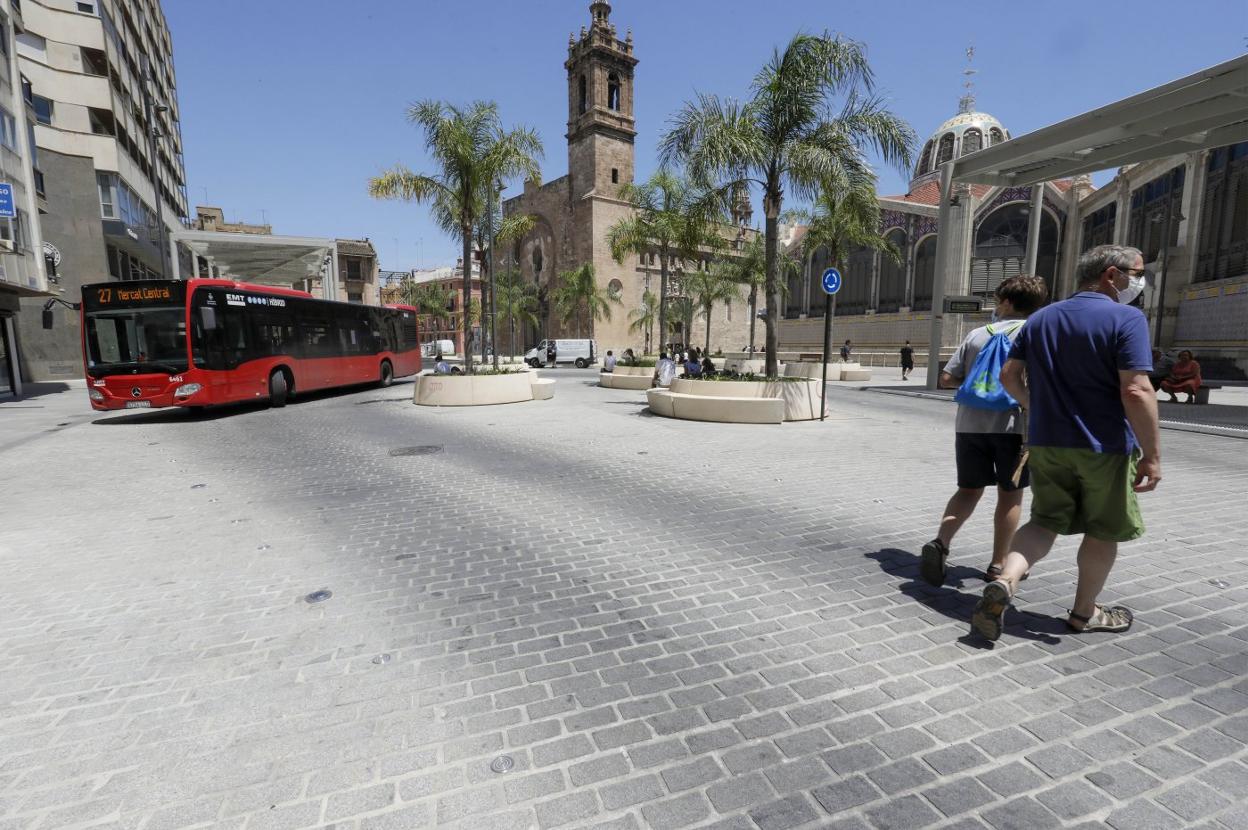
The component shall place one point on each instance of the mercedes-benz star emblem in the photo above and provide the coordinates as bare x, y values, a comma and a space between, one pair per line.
136, 392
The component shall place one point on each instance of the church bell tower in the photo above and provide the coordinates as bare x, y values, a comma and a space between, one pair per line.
600, 106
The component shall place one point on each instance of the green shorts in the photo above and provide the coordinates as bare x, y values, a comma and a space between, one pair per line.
1082, 491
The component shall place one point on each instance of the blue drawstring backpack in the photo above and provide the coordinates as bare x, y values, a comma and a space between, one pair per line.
982, 387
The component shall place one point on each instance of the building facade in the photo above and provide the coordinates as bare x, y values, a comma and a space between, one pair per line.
1187, 213
110, 178
358, 271
574, 212
23, 270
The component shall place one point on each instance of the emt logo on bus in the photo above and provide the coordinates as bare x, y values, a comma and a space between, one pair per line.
130, 295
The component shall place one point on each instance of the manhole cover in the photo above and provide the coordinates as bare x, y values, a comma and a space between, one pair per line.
318, 596
426, 449
502, 763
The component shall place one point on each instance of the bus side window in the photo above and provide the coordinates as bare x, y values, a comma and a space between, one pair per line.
206, 343
237, 342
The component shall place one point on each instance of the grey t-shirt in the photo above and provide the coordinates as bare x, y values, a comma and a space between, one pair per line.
972, 419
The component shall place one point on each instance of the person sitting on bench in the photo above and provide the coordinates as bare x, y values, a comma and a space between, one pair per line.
1184, 377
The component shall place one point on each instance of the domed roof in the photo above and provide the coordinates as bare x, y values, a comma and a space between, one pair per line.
966, 132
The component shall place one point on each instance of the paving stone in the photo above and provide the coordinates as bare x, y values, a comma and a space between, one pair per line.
1141, 814
1073, 799
847, 759
1192, 800
1123, 780
598, 769
900, 814
846, 794
567, 809
959, 796
900, 775
1011, 779
739, 792
1021, 814
793, 811
700, 772
528, 787
954, 759
674, 813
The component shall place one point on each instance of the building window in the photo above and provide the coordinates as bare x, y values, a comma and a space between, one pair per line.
924, 273
1151, 206
355, 269
614, 288
1098, 227
972, 141
94, 62
4, 35
1222, 249
584, 96
945, 153
107, 198
925, 160
8, 130
39, 191
33, 46
892, 293
355, 297
613, 92
996, 135
728, 309
615, 175
102, 122
86, 8
43, 109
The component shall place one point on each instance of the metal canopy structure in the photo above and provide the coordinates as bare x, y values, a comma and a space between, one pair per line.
1201, 111
263, 258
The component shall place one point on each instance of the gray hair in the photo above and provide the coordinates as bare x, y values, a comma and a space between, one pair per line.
1093, 262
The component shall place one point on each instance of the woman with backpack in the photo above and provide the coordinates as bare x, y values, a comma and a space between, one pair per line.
988, 446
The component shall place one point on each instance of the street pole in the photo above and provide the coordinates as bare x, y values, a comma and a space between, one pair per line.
829, 308
1165, 263
155, 162
493, 299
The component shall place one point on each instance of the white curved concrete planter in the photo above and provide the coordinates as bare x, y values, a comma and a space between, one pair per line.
627, 377
795, 400
814, 371
745, 366
481, 390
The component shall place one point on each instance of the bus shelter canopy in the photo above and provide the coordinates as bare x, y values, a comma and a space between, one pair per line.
260, 258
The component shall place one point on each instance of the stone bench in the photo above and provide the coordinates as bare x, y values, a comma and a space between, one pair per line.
727, 410
615, 380
854, 371
480, 390
543, 389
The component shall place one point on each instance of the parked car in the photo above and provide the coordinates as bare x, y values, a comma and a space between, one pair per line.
582, 353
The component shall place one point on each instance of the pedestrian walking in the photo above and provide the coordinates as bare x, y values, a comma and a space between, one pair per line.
846, 351
1080, 368
907, 361
988, 437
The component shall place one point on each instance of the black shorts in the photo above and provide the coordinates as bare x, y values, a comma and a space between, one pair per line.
987, 459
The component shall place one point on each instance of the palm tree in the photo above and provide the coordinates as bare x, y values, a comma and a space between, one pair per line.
848, 219
473, 153
428, 298
516, 300
682, 311
749, 268
716, 284
671, 218
493, 228
578, 292
787, 136
643, 318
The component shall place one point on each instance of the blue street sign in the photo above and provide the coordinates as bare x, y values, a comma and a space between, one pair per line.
831, 281
7, 208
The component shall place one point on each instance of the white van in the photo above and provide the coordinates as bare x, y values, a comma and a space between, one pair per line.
580, 352
431, 349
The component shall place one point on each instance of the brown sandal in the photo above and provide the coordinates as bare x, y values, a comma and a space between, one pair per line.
988, 620
1114, 619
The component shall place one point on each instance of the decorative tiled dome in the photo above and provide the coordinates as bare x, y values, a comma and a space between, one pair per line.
966, 132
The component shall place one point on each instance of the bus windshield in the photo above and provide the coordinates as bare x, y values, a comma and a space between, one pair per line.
136, 341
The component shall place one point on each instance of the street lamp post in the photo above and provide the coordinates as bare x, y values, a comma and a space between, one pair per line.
1167, 222
495, 196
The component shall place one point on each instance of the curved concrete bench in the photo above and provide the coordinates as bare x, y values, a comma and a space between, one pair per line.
813, 371
854, 371
479, 390
746, 366
543, 389
726, 410
614, 380
800, 397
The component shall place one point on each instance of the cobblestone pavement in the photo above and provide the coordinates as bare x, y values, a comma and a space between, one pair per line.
662, 624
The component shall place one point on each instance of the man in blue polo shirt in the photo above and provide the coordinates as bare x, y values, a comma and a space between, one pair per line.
1080, 369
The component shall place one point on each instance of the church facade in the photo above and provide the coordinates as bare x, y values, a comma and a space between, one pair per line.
574, 212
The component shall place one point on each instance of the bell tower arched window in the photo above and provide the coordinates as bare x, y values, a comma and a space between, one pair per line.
613, 92
583, 96
996, 135
925, 160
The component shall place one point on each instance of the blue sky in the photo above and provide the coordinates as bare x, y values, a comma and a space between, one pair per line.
288, 108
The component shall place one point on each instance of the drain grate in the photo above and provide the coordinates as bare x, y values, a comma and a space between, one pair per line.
425, 449
318, 596
502, 763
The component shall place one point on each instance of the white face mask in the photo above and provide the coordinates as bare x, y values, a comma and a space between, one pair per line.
1135, 286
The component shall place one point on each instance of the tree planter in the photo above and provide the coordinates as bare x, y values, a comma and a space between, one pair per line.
481, 390
738, 401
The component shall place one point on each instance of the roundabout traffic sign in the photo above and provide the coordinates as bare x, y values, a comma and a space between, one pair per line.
831, 281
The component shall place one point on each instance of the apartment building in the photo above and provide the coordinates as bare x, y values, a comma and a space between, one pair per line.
109, 177
22, 269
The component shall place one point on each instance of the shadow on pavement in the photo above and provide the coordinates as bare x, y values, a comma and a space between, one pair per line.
38, 390
957, 605
178, 414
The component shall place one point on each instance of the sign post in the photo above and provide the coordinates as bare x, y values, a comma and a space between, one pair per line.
831, 285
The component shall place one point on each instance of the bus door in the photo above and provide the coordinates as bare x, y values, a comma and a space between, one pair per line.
208, 343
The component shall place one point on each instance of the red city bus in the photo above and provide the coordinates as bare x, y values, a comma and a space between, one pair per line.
204, 342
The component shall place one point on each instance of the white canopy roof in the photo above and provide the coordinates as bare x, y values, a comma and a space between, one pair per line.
1203, 110
262, 258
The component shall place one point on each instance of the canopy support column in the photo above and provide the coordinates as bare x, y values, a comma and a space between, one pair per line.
1033, 228
943, 246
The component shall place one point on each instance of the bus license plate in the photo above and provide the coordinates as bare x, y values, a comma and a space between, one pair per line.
138, 404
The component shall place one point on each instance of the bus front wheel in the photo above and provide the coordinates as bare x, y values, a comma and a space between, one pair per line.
387, 373
279, 390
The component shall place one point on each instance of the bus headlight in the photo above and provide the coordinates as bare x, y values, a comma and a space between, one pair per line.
186, 390
97, 395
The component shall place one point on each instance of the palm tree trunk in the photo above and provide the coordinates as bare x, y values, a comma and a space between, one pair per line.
753, 316
466, 232
707, 350
663, 296
771, 204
